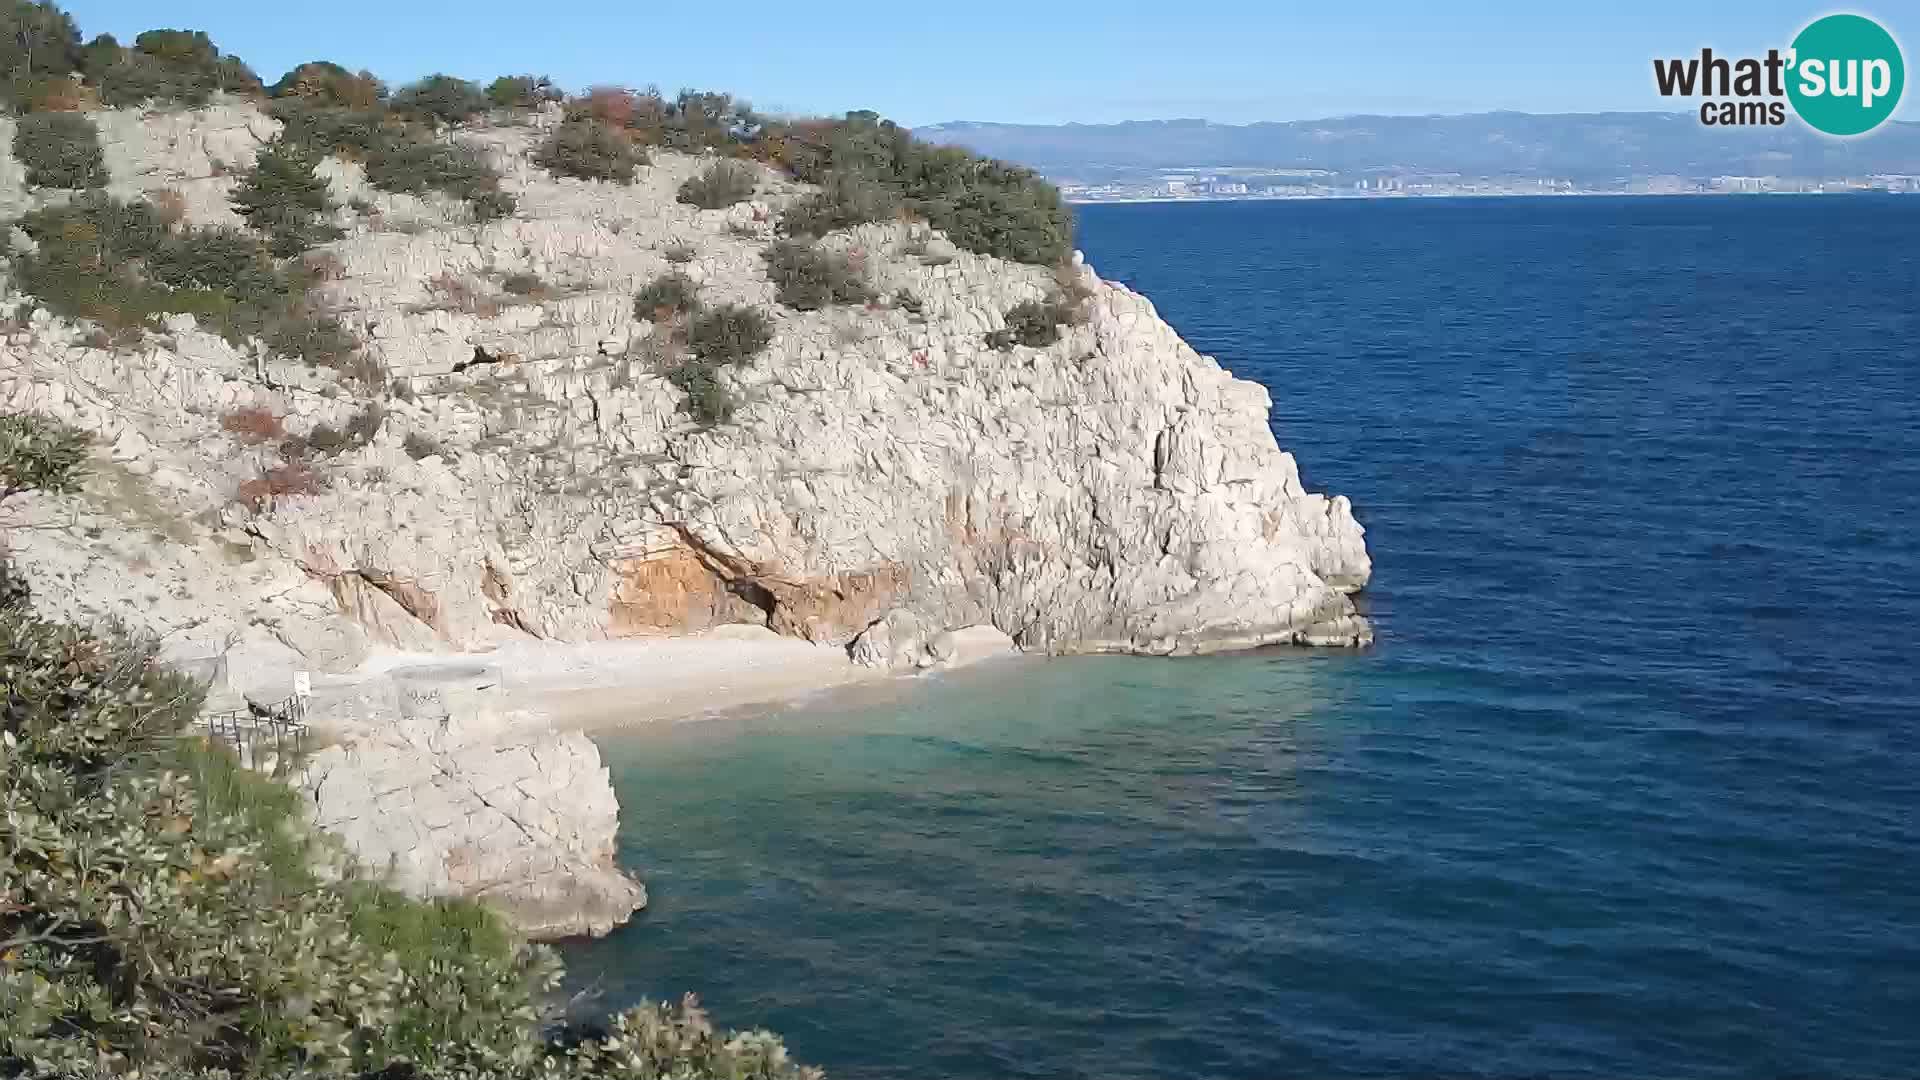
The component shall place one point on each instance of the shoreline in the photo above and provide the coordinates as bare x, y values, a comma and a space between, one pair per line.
623, 684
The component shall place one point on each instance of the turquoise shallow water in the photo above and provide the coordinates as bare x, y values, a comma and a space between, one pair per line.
1629, 787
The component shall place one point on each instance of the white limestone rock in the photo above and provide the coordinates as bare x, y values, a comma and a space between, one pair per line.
1113, 492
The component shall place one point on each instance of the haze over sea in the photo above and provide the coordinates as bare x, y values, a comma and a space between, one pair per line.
1629, 787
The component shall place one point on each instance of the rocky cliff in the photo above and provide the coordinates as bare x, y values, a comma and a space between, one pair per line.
887, 477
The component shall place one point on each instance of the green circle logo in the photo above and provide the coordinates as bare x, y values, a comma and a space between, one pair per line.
1846, 75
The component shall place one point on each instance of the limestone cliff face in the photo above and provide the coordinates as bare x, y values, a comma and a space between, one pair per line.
888, 477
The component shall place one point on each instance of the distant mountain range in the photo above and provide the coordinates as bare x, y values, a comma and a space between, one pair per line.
1583, 147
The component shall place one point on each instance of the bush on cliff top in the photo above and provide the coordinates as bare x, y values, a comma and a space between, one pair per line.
441, 100
522, 92
983, 205
180, 67
39, 45
327, 84
60, 150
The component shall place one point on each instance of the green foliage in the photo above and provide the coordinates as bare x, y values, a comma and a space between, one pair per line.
399, 157
420, 446
283, 199
1033, 323
416, 167
590, 150
60, 150
119, 265
522, 91
360, 429
716, 338
39, 44
524, 284
810, 279
843, 201
680, 254
722, 184
325, 84
668, 295
39, 453
441, 100
162, 914
181, 67
325, 128
984, 206
699, 120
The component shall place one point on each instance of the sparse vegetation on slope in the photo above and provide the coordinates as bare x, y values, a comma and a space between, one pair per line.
589, 149
716, 339
810, 278
719, 186
668, 295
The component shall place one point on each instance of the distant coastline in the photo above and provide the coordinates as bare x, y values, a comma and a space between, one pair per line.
1428, 196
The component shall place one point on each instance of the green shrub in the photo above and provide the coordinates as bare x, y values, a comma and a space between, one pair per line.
283, 199
320, 340
441, 100
522, 92
699, 120
810, 279
722, 184
420, 446
60, 150
492, 205
716, 338
729, 334
1034, 323
524, 284
843, 202
665, 296
360, 429
680, 254
331, 129
168, 66
590, 150
39, 43
39, 453
416, 167
984, 206
324, 83
162, 915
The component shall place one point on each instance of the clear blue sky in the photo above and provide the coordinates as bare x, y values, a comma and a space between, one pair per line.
1028, 62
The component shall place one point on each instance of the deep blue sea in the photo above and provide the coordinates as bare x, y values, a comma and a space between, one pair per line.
1630, 786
